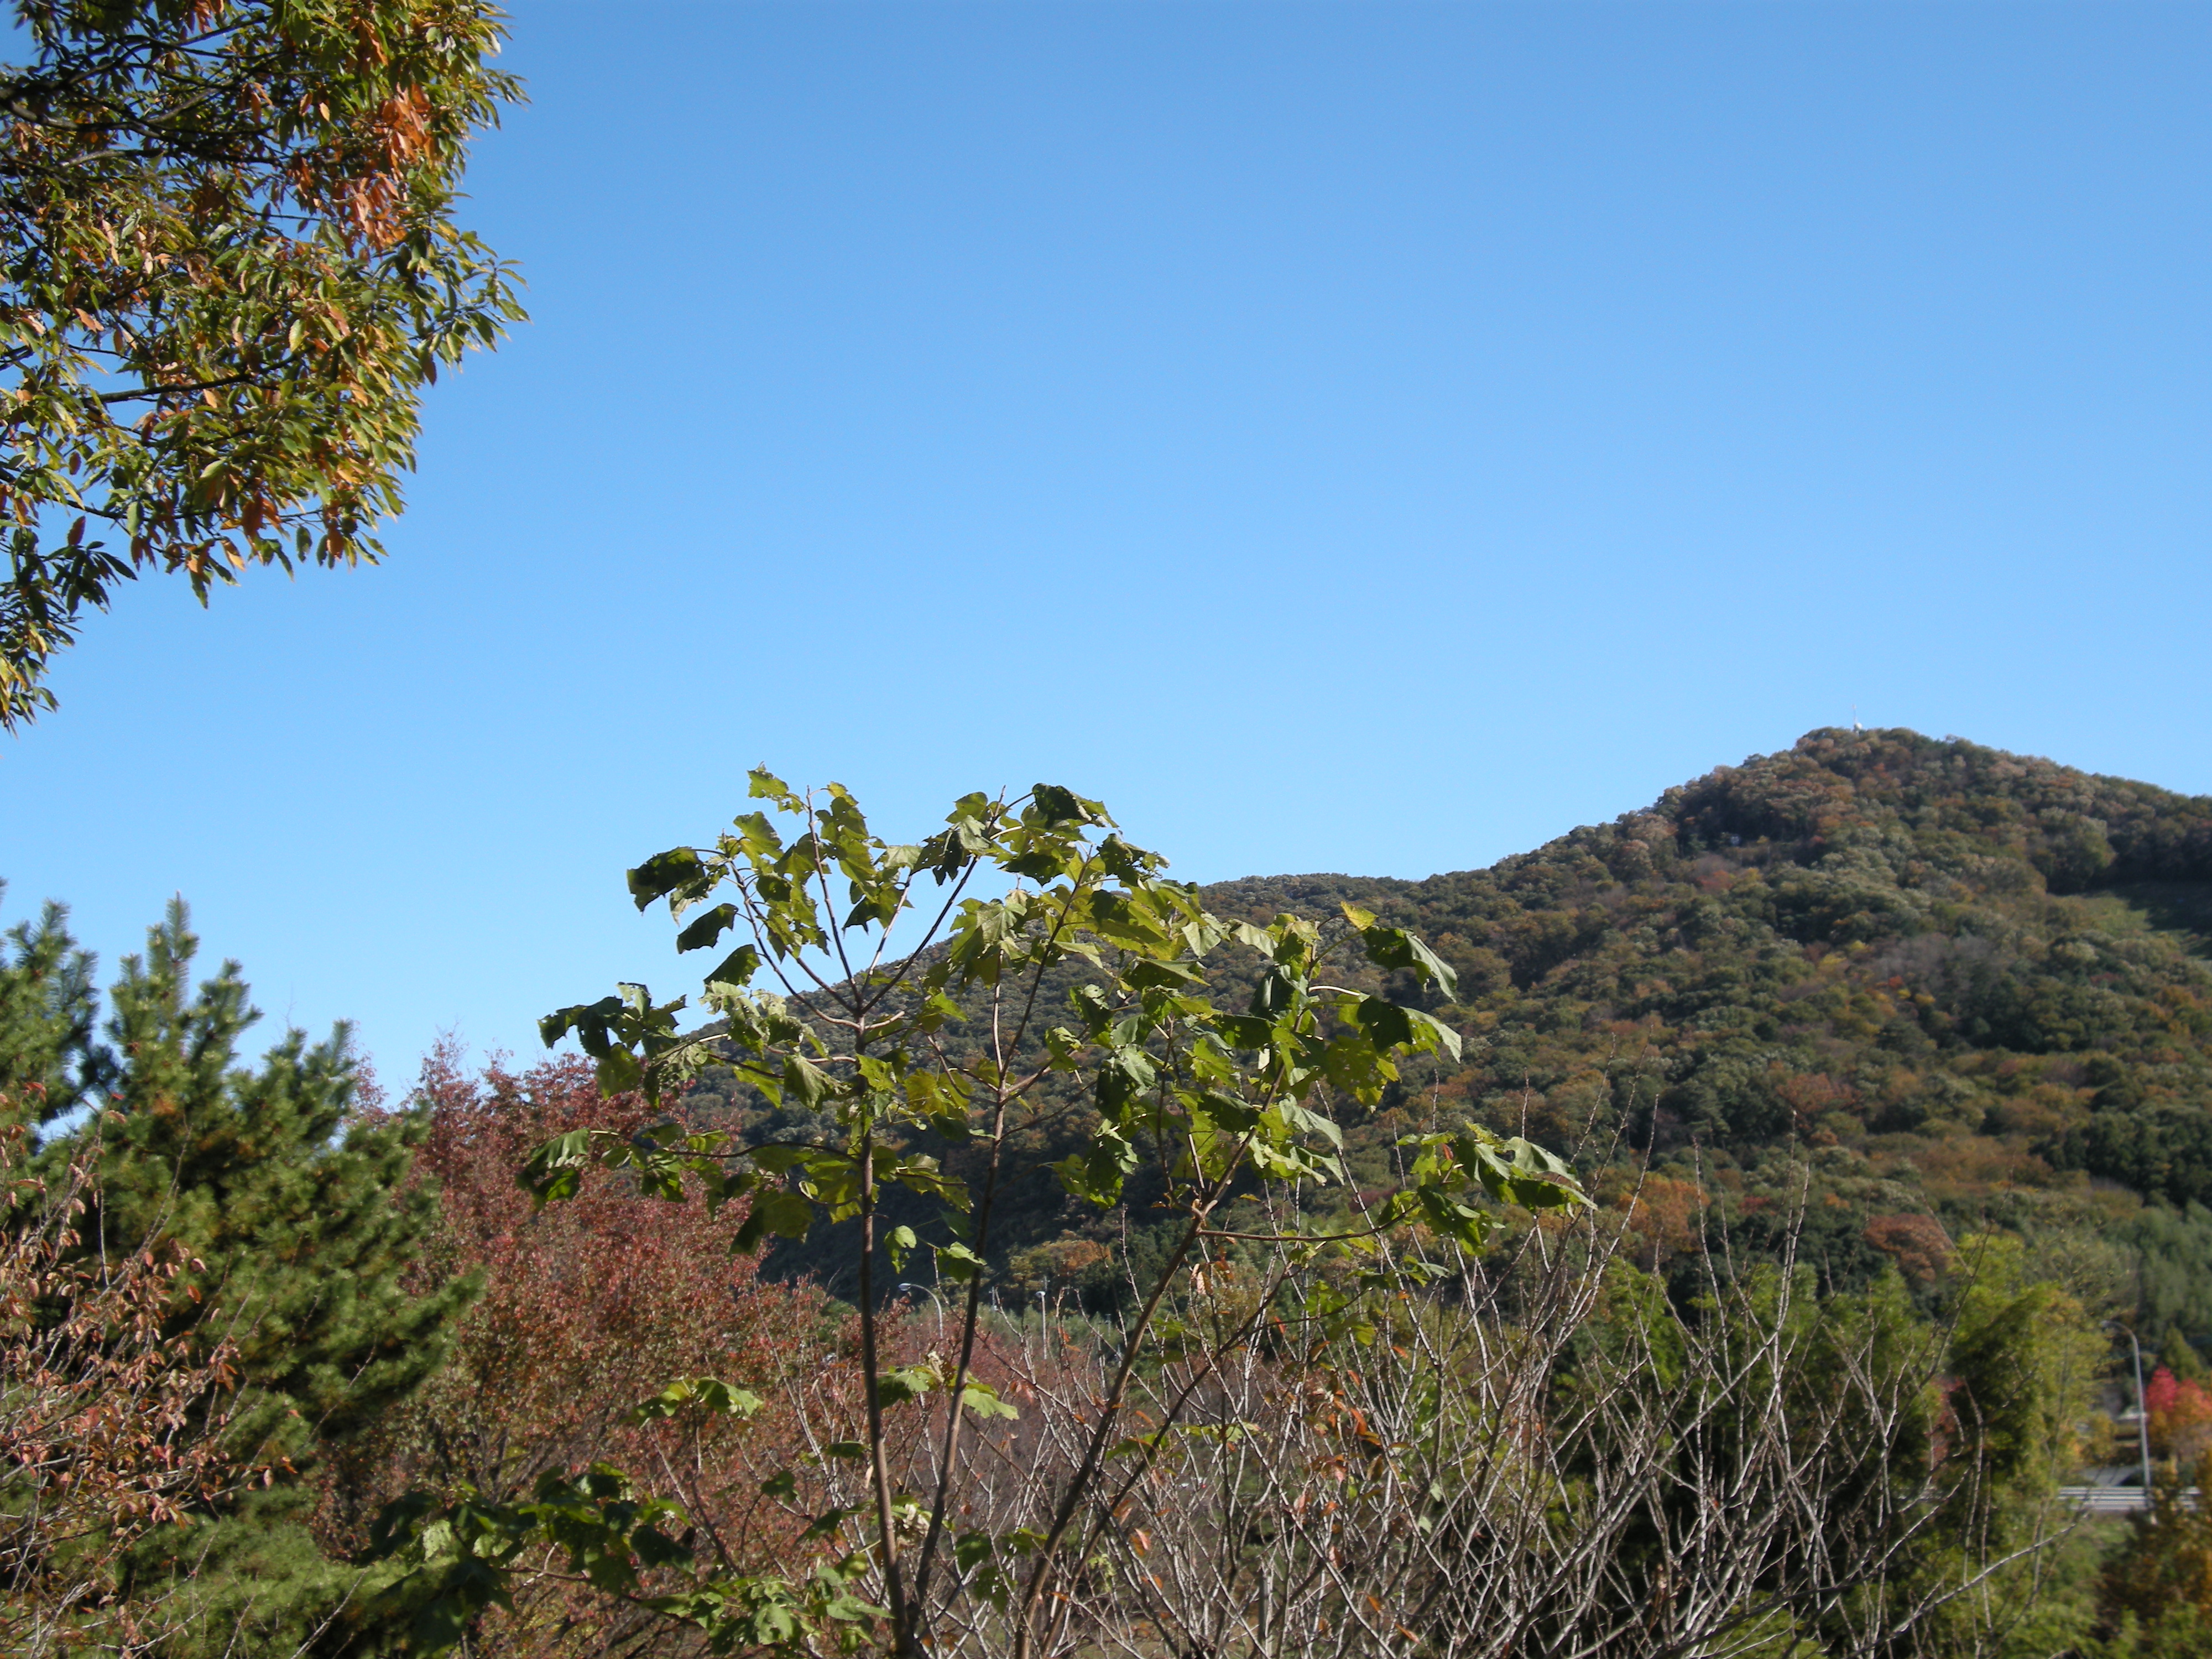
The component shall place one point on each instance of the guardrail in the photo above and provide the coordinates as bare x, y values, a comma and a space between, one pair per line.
2117, 1500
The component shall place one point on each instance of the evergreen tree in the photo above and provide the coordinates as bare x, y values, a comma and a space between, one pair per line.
47, 1006
293, 1193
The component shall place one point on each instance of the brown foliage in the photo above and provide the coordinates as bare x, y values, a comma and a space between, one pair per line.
1667, 1216
1918, 1243
586, 1309
109, 1425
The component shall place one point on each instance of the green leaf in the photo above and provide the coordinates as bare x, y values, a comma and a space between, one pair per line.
1097, 1174
1521, 1172
971, 1547
1456, 1220
676, 871
1394, 947
775, 1210
618, 1071
1056, 805
1125, 1076
591, 1022
553, 1171
1246, 1032
897, 1242
766, 786
655, 1549
957, 1262
1307, 1121
982, 1399
708, 927
703, 1392
941, 1100
1158, 974
789, 1214
1355, 1065
1392, 1025
902, 1383
1225, 1111
827, 1525
808, 1081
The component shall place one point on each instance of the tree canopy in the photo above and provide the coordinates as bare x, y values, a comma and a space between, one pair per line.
228, 267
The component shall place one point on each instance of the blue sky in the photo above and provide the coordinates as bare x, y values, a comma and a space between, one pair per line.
1357, 437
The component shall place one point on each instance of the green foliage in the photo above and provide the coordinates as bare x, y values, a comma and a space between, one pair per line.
2025, 1363
1943, 1433
615, 1540
1862, 937
287, 1193
228, 269
1088, 975
277, 1180
293, 1204
2158, 1586
2175, 1248
1852, 950
1856, 949
47, 1010
1876, 948
1880, 1006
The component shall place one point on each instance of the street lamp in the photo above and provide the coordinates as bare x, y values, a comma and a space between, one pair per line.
2142, 1406
931, 1292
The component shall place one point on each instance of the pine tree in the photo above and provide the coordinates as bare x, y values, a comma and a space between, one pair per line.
291, 1189
293, 1194
47, 1008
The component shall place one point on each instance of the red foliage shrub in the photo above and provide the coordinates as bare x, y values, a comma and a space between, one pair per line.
586, 1309
2180, 1417
110, 1423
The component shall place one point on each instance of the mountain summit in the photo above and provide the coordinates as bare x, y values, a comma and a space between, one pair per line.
1972, 985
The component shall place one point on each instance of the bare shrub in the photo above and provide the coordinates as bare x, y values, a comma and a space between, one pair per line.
1535, 1452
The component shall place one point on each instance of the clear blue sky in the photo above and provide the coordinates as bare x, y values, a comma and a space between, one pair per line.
1359, 437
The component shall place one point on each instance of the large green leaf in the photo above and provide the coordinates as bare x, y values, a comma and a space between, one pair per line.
676, 871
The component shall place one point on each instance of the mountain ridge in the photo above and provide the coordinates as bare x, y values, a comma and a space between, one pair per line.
1952, 989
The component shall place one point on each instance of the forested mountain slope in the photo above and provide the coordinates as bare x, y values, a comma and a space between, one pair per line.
1971, 983
1964, 988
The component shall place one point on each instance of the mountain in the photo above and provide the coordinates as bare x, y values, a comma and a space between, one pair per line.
1952, 988
1972, 985
1984, 969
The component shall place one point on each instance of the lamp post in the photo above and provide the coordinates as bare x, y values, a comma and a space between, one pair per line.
929, 1291
2142, 1406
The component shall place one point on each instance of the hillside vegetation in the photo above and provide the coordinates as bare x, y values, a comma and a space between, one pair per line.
1971, 985
1928, 1018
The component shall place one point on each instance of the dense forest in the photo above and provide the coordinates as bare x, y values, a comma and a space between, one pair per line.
1964, 988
